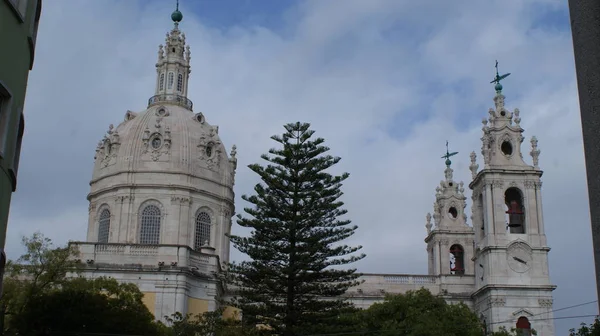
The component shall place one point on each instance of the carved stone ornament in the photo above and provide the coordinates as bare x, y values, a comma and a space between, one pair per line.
158, 143
92, 207
107, 148
445, 242
474, 166
498, 183
535, 152
124, 199
210, 149
546, 303
496, 302
529, 184
130, 115
538, 185
513, 184
181, 200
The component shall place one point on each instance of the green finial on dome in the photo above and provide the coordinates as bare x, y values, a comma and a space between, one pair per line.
176, 16
448, 155
497, 80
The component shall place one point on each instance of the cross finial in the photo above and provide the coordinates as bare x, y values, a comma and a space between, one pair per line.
177, 8
448, 155
498, 78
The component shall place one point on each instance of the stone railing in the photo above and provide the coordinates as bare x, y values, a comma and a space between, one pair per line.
172, 99
410, 279
120, 255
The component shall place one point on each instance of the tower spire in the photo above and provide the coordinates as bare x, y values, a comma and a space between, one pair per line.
173, 67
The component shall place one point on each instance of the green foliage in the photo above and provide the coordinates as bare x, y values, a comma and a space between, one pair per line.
419, 313
502, 331
587, 330
39, 297
210, 323
87, 306
295, 244
42, 268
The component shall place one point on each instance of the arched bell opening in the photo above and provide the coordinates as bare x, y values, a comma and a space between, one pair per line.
515, 211
523, 326
457, 260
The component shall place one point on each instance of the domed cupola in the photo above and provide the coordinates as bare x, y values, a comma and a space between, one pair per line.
163, 174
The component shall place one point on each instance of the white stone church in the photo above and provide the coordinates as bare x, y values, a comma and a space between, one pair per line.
162, 201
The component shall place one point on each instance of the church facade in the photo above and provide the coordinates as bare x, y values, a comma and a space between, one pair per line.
162, 200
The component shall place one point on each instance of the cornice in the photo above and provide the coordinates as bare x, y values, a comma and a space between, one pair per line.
529, 170
115, 187
512, 287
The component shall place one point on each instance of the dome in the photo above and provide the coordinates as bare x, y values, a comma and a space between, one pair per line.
164, 139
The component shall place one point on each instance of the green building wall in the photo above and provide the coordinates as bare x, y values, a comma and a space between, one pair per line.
18, 31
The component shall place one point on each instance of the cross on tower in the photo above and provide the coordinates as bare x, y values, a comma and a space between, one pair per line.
448, 155
498, 78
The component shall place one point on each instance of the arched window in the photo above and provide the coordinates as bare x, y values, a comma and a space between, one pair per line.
162, 82
523, 326
103, 226
202, 237
170, 81
179, 82
515, 212
150, 218
457, 260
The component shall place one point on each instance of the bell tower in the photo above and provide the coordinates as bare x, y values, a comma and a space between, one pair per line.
512, 282
450, 242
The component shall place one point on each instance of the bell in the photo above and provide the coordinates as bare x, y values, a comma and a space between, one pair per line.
515, 215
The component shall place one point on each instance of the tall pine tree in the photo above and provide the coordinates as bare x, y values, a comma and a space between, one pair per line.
293, 281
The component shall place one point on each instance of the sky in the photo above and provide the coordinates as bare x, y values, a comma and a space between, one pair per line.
385, 82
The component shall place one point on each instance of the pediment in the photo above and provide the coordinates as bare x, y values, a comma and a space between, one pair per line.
522, 312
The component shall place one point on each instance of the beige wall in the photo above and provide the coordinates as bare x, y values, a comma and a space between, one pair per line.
149, 301
197, 306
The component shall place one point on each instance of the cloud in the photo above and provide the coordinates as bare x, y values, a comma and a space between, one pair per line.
386, 83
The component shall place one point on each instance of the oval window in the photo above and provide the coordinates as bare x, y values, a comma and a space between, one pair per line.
156, 142
453, 212
506, 148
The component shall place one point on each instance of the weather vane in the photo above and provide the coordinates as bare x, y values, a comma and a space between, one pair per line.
498, 78
448, 155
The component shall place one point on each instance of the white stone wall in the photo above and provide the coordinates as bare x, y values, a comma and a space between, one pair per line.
173, 273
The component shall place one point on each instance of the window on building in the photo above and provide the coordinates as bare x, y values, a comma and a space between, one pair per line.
4, 118
20, 6
162, 82
103, 226
170, 81
179, 82
457, 260
150, 218
18, 143
202, 237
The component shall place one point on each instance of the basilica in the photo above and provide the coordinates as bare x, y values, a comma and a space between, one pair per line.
162, 200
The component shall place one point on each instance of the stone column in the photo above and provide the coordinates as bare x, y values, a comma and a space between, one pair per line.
585, 27
488, 207
91, 221
174, 224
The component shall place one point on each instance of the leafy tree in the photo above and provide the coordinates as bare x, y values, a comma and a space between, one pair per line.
96, 306
209, 323
42, 268
419, 313
587, 330
295, 244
